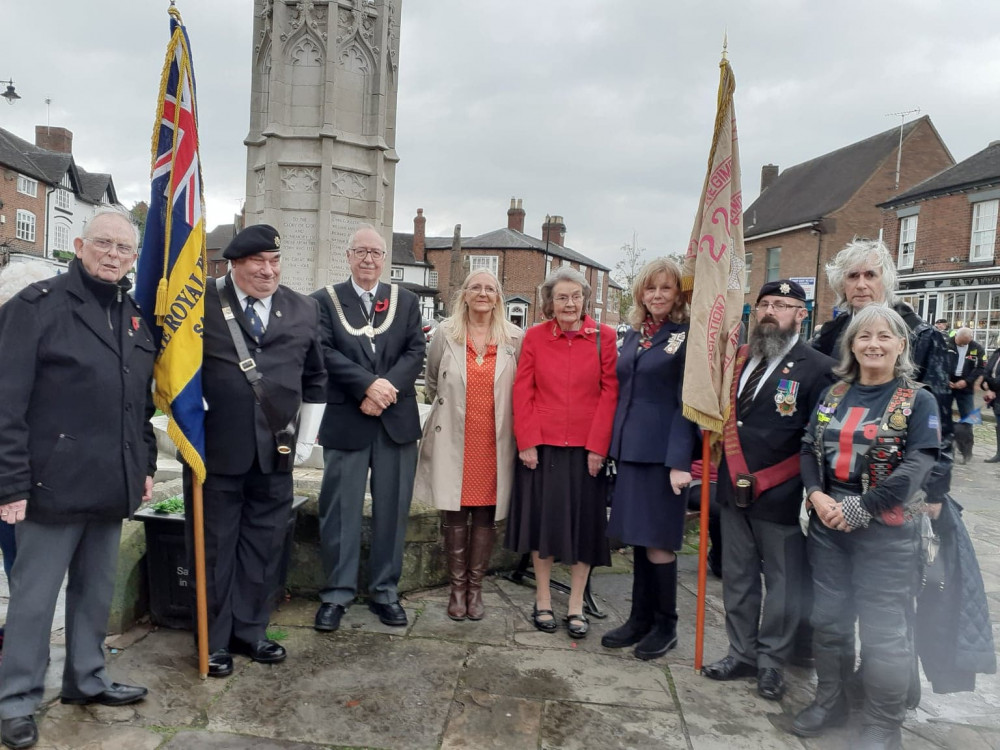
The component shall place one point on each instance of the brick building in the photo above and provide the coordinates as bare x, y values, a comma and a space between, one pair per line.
46, 199
944, 234
805, 214
216, 242
520, 261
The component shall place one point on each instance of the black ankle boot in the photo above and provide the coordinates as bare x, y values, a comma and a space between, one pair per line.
663, 636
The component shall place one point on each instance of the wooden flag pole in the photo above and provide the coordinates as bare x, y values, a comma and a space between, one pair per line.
706, 477
201, 596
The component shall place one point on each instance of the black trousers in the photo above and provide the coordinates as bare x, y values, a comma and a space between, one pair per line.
246, 517
872, 572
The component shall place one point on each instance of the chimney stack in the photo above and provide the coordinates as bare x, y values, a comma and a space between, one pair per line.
515, 216
419, 236
54, 139
553, 230
768, 174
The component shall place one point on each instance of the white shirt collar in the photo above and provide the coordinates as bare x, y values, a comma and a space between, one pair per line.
242, 297
359, 290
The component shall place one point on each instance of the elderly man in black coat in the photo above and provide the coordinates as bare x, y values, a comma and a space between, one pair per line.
248, 490
373, 346
77, 455
777, 383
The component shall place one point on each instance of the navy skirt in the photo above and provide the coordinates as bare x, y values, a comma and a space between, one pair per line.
558, 509
645, 512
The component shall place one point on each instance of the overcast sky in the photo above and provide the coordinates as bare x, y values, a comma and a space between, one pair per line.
596, 110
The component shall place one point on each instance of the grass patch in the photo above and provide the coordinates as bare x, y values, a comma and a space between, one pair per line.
276, 634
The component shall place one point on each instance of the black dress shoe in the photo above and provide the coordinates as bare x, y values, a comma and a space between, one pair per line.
116, 695
729, 668
328, 617
814, 718
19, 732
220, 663
577, 625
263, 651
993, 460
770, 684
389, 614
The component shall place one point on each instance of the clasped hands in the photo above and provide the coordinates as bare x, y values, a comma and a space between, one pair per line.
829, 511
529, 457
380, 396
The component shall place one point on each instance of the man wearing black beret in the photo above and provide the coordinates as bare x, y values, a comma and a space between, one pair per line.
272, 334
777, 383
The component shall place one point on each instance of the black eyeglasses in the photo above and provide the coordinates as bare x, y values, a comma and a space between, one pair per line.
360, 252
777, 306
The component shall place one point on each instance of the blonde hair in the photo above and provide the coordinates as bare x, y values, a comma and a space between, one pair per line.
456, 327
679, 313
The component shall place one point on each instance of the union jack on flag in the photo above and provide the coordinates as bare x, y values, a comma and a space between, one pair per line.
171, 275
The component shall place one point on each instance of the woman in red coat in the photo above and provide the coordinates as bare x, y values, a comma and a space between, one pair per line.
564, 405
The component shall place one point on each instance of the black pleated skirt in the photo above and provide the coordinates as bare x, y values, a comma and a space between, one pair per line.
558, 509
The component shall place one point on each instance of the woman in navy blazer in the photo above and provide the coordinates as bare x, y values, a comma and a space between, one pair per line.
653, 444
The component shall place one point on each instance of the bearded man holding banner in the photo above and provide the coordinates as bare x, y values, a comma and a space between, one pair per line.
777, 382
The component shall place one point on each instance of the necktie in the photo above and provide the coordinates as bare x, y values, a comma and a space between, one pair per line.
256, 326
368, 298
750, 388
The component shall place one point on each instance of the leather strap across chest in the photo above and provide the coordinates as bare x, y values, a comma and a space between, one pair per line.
768, 477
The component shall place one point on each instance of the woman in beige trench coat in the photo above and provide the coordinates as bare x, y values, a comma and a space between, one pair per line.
466, 464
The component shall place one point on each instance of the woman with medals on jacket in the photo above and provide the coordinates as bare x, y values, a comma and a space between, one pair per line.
653, 444
871, 442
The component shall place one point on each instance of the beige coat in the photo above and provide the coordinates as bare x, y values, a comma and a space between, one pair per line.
442, 448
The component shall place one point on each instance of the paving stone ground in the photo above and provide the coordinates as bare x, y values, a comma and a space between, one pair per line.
497, 683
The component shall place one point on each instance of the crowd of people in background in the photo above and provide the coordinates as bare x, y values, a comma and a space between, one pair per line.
836, 459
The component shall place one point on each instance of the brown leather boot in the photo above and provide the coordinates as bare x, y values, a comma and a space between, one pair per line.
480, 549
455, 541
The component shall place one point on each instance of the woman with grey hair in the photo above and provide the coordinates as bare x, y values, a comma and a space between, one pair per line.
872, 440
564, 403
653, 444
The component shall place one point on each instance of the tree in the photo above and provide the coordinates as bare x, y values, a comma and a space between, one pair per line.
139, 211
626, 270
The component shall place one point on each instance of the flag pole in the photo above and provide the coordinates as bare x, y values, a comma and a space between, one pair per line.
713, 285
706, 476
201, 594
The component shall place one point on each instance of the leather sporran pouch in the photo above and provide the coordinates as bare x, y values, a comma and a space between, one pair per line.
743, 492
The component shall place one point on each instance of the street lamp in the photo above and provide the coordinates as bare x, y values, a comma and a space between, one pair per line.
10, 95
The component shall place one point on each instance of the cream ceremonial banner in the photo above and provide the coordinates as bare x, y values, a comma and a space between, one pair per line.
714, 273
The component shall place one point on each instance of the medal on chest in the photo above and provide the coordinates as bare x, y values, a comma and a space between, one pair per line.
674, 342
784, 398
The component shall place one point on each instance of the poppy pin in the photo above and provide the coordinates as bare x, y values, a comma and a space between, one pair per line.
382, 305
135, 323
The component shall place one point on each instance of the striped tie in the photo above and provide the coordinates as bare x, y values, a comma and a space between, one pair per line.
750, 388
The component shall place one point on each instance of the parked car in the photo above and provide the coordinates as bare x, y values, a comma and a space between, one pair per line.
429, 326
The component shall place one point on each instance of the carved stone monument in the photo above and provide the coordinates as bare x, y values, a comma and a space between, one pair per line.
321, 153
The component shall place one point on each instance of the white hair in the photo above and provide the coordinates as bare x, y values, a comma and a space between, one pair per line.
17, 276
857, 252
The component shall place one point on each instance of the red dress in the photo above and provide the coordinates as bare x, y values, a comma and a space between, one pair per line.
479, 466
